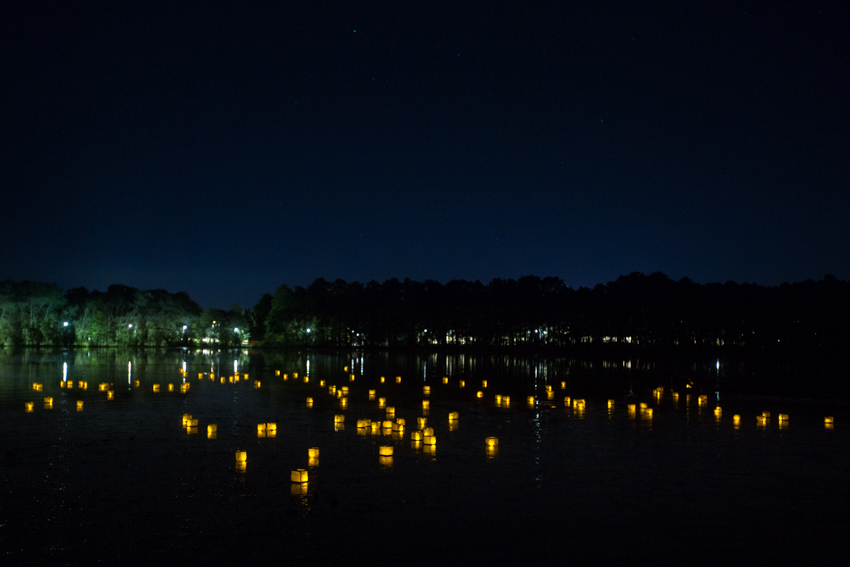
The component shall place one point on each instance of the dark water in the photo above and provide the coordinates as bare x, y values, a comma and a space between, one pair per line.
123, 480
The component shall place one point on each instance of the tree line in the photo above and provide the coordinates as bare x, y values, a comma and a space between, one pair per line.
635, 309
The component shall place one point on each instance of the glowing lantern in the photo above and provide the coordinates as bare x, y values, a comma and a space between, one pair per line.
277, 372
550, 395
110, 395
506, 401
416, 436
339, 418
453, 425
390, 412
563, 385
829, 421
428, 431
28, 407
285, 376
103, 386
375, 426
271, 429
171, 387
212, 431
241, 456
186, 418
548, 388
345, 368
647, 413
257, 385
761, 420
766, 414
48, 403
295, 375
498, 400
426, 405
479, 394
79, 405
642, 406
398, 427
62, 384
429, 440
421, 421
351, 377
385, 450
362, 423
462, 383
184, 387
382, 379
83, 385
484, 383
261, 430
343, 403
453, 416
530, 400
492, 451
718, 412
156, 388
222, 380
381, 402
426, 390
230, 379
610, 404
332, 390
344, 390
492, 441
567, 401
445, 379
313, 452
783, 417
309, 402
306, 379
321, 383
398, 379
736, 420
702, 400
70, 384
299, 475
675, 397
387, 424
200, 375
371, 395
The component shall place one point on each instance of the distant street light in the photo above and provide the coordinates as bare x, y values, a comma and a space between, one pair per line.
66, 324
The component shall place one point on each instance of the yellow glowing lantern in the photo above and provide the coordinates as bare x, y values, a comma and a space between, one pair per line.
381, 402
271, 429
313, 452
343, 403
277, 372
390, 412
375, 426
62, 384
398, 379
285, 376
506, 401
299, 475
110, 395
563, 385
783, 417
186, 418
171, 387
48, 403
416, 436
718, 412
421, 421
241, 456
345, 369
428, 431
344, 390
647, 413
351, 377
429, 440
766, 414
426, 405
212, 431
362, 423
462, 383
37, 387
548, 388
156, 388
69, 384
550, 395
642, 406
492, 451
28, 407
426, 390
453, 416
295, 375
736, 419
103, 386
829, 420
610, 404
484, 383
79, 405
339, 418
492, 441
387, 424
332, 390
761, 420
498, 400
530, 401
702, 400
382, 379
321, 383
479, 394
230, 379
200, 375
184, 387
567, 401
257, 385
261, 430
83, 385
385, 450
223, 380
371, 395
309, 402
445, 379
401, 421
398, 427
306, 379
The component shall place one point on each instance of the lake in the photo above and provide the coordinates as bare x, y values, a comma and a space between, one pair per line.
574, 473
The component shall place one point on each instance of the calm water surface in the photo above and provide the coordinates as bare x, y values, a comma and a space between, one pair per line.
122, 479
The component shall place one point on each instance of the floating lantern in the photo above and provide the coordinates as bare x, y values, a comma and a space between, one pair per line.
385, 450
416, 436
295, 375
702, 400
222, 380
299, 475
718, 412
550, 395
548, 388
69, 384
343, 403
171, 387
309, 402
306, 379
453, 416
344, 390
212, 431
103, 386
48, 403
339, 418
426, 405
361, 423
642, 406
387, 424
766, 414
277, 372
563, 385
382, 379
83, 385
462, 383
375, 426
271, 429
401, 421
498, 400
530, 401
736, 420
429, 440
783, 417
257, 385
398, 427
345, 369
647, 413
371, 395
761, 420
332, 390
421, 421
156, 388
426, 390
351, 377
506, 401
286, 377
28, 407
567, 401
610, 404
313, 452
492, 441
479, 394
62, 384
261, 430
184, 387
428, 431
321, 383
381, 402
110, 395
484, 383
79, 405
445, 379
200, 375
241, 456
186, 418
829, 420
390, 412
230, 379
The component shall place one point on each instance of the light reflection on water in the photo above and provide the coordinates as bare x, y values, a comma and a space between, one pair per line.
613, 450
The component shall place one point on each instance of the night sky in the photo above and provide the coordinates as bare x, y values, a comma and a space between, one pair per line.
224, 149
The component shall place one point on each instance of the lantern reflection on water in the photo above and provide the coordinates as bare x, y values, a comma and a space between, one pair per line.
492, 451
385, 461
312, 462
28, 407
563, 385
298, 488
79, 405
343, 403
430, 449
299, 475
